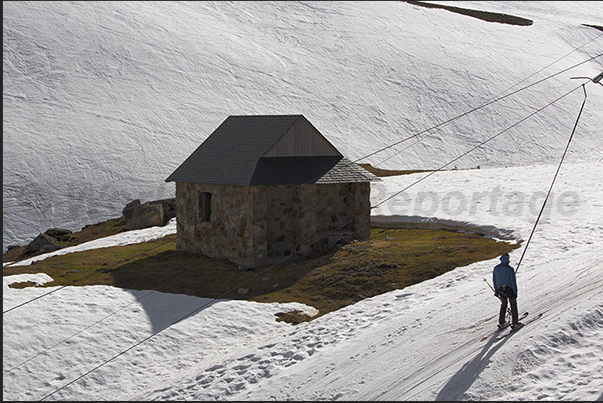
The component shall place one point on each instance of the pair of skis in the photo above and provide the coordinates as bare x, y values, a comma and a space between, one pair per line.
521, 318
522, 324
506, 325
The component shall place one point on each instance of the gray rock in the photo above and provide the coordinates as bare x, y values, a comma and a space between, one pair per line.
149, 214
38, 243
50, 248
144, 216
169, 208
56, 232
59, 234
129, 209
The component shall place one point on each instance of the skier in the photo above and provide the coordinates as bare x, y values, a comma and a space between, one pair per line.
505, 286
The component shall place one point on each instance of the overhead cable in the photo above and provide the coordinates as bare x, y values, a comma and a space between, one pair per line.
475, 109
476, 147
553, 182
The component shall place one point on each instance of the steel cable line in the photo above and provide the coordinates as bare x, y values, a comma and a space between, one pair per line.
436, 126
287, 258
474, 148
550, 64
490, 102
502, 92
553, 181
475, 109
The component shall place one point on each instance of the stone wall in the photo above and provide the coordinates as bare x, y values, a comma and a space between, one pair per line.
258, 224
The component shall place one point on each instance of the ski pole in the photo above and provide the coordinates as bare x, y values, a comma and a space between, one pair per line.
490, 286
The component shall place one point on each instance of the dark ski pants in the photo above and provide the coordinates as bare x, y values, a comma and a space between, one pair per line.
503, 309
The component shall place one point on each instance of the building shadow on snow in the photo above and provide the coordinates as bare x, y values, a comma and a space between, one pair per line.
163, 310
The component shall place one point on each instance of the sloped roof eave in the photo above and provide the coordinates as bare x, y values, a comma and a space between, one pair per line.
274, 171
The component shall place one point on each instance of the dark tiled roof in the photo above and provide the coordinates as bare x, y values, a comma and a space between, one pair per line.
232, 155
306, 170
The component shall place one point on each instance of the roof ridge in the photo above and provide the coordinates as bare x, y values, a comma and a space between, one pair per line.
233, 155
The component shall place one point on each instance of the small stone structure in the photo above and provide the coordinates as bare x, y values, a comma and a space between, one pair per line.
262, 188
265, 223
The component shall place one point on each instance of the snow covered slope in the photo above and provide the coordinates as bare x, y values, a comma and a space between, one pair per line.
422, 343
103, 100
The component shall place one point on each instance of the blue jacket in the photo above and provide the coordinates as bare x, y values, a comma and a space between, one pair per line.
504, 274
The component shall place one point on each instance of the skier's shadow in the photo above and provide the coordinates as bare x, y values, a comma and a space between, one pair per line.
460, 382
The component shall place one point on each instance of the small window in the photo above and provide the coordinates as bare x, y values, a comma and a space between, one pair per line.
204, 206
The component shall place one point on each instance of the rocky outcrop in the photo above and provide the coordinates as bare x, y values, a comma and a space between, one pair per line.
129, 209
169, 208
59, 234
137, 216
47, 241
42, 244
150, 214
145, 216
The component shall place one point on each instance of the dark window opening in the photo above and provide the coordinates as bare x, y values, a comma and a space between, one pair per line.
204, 206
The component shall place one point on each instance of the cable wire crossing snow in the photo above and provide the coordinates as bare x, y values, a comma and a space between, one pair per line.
553, 181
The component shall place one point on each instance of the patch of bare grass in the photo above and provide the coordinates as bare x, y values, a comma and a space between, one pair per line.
391, 259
